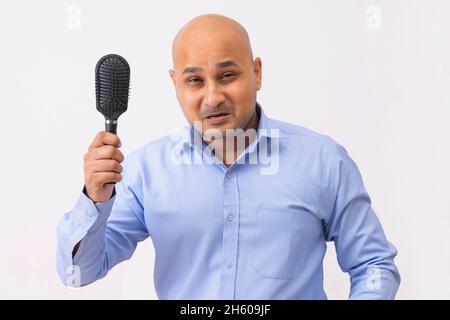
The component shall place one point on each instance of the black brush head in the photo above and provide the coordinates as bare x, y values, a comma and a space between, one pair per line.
112, 84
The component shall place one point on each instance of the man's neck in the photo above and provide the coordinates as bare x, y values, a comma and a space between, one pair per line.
229, 149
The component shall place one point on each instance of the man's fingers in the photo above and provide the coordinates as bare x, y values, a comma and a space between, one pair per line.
105, 177
104, 166
105, 138
106, 152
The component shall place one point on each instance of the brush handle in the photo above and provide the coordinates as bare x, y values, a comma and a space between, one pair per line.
111, 126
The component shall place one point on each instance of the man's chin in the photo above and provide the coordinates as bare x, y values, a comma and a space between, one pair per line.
214, 133
218, 131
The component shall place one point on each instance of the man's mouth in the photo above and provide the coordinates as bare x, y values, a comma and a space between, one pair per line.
217, 118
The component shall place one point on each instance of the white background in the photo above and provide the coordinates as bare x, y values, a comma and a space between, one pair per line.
374, 75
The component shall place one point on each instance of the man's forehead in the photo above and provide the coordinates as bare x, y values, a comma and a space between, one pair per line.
211, 55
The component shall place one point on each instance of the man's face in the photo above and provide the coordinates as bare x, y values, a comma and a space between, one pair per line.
216, 80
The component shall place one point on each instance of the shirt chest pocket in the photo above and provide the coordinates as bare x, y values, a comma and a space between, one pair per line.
283, 240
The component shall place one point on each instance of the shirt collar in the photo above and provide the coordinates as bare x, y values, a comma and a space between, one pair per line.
267, 126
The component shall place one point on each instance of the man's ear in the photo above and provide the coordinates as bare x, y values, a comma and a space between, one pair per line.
172, 76
258, 72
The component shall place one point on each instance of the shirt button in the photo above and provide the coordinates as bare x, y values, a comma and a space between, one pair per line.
229, 265
230, 217
229, 175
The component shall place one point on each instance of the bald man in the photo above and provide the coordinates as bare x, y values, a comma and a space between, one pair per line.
238, 205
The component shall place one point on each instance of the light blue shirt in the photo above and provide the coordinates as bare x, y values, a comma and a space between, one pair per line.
255, 230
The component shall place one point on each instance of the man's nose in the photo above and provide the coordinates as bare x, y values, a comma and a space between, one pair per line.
213, 96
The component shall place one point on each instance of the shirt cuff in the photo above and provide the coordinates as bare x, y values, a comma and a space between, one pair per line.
85, 216
86, 194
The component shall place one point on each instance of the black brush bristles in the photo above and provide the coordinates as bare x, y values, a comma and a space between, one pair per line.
112, 84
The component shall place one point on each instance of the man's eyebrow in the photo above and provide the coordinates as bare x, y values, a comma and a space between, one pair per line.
192, 70
220, 65
225, 64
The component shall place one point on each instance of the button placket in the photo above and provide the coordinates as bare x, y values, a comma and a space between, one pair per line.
230, 234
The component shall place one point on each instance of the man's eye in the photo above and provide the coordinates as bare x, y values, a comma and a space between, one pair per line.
194, 81
228, 75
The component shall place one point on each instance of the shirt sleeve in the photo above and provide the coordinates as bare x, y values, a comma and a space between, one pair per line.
109, 232
361, 245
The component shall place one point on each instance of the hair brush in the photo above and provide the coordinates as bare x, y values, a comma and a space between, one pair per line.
112, 85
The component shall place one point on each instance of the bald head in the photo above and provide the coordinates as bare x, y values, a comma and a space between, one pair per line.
211, 33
